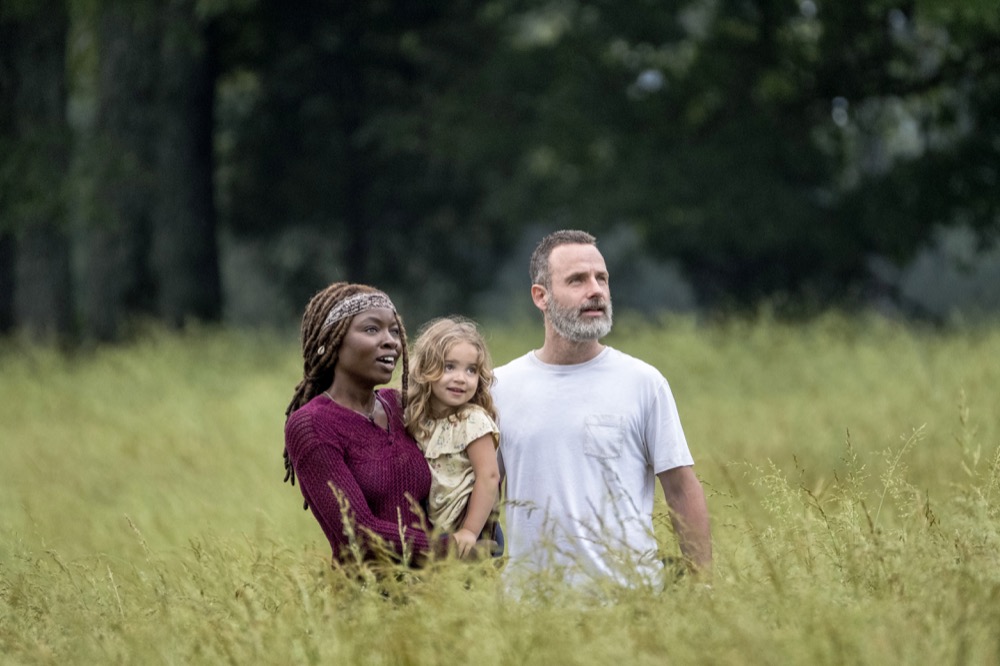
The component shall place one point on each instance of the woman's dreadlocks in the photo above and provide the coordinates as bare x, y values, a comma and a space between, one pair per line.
321, 348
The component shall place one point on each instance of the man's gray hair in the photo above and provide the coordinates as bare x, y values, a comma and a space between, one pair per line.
538, 269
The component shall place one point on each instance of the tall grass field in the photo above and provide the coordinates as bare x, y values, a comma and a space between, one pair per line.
851, 465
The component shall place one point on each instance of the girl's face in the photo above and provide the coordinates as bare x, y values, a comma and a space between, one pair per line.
459, 382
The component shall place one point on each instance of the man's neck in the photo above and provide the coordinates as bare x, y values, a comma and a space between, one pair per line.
557, 350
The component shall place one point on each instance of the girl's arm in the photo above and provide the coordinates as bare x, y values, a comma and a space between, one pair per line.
483, 457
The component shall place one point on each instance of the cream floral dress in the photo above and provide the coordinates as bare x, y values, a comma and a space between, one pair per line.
451, 470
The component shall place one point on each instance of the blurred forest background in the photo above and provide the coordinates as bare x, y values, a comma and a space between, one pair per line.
221, 160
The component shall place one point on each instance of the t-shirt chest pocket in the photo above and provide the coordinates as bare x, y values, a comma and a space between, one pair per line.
604, 436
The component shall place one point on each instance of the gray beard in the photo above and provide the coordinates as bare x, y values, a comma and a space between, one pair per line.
569, 323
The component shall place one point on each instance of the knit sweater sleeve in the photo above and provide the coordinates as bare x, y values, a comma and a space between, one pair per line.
323, 474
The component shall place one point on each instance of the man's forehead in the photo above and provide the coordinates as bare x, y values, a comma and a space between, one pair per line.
575, 257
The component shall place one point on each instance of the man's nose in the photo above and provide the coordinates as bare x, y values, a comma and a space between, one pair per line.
595, 287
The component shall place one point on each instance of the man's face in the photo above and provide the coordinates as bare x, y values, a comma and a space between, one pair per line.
578, 304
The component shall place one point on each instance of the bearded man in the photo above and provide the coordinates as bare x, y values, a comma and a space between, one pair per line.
585, 430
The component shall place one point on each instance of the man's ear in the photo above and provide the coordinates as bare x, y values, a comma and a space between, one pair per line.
538, 293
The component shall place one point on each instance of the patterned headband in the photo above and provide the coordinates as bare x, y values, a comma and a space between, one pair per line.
357, 303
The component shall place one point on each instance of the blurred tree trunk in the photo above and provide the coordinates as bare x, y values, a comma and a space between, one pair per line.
6, 283
7, 172
184, 252
36, 159
44, 289
119, 161
350, 89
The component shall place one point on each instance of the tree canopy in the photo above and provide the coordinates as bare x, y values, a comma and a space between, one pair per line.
161, 155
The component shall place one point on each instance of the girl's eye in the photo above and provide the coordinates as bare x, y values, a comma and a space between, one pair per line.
448, 367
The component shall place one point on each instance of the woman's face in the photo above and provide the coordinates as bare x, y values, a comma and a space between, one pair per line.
370, 348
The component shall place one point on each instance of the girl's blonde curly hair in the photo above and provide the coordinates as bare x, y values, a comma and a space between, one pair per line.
436, 339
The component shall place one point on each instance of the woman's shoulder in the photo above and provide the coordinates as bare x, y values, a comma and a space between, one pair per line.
392, 400
300, 428
311, 424
391, 396
301, 416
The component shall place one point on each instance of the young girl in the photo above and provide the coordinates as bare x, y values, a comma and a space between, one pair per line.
450, 413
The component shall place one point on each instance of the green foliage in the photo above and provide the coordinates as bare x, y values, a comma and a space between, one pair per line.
852, 468
768, 150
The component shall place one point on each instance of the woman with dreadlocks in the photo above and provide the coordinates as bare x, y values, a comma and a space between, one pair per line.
360, 472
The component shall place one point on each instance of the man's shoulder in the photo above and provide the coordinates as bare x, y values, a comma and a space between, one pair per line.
512, 365
507, 377
625, 362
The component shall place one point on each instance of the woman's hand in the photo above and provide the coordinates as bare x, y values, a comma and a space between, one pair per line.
465, 542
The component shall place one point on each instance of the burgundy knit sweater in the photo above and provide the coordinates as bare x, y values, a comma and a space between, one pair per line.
378, 471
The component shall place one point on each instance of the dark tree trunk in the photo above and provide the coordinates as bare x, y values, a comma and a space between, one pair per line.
185, 249
38, 156
351, 92
120, 158
43, 303
6, 283
6, 178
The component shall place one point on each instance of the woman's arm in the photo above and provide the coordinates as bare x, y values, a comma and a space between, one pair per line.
333, 493
482, 455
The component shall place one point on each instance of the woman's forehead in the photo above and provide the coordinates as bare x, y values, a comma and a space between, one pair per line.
375, 315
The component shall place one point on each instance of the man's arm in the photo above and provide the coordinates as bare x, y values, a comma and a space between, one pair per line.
500, 467
689, 515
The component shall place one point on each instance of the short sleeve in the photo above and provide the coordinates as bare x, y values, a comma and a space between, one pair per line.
452, 435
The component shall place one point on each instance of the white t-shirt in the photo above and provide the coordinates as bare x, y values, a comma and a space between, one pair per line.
580, 446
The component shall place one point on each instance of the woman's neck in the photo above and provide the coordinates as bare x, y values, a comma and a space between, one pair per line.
358, 398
